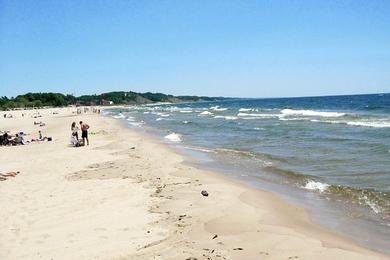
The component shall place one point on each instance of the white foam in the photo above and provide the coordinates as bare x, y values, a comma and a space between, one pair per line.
258, 115
288, 112
131, 119
245, 109
217, 108
119, 116
315, 185
227, 117
160, 114
292, 119
376, 124
173, 137
206, 113
159, 119
372, 205
199, 149
185, 111
137, 124
186, 122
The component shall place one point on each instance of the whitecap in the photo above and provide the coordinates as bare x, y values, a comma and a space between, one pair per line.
314, 185
257, 115
245, 109
376, 124
288, 112
173, 137
206, 113
227, 117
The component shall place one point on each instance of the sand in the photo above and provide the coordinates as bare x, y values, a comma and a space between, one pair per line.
130, 196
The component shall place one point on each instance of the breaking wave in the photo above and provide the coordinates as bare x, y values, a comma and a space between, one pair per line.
287, 112
173, 137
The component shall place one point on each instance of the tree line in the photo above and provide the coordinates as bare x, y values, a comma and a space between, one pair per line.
38, 100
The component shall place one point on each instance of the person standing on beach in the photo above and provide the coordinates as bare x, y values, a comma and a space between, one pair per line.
84, 132
75, 130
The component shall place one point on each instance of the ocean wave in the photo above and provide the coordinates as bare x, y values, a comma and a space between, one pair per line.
287, 112
137, 124
198, 149
315, 185
173, 137
374, 207
233, 151
227, 117
377, 201
119, 116
245, 109
375, 124
258, 115
206, 113
372, 123
217, 108
160, 114
293, 119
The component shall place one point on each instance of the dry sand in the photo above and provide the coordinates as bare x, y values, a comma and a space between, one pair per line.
128, 196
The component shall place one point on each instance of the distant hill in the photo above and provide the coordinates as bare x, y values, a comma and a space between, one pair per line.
30, 100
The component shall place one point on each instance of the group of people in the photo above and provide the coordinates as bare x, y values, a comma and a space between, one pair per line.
20, 138
74, 138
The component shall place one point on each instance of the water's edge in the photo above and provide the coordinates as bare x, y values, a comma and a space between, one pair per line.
319, 214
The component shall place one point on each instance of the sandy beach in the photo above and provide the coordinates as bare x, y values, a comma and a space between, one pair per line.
129, 196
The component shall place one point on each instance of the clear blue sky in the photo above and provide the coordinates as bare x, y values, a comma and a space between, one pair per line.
238, 48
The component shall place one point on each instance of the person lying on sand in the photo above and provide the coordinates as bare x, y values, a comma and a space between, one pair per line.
9, 174
39, 123
41, 137
5, 175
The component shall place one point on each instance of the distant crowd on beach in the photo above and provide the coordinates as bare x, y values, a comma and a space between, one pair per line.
21, 138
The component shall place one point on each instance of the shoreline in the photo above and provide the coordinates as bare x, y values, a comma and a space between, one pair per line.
123, 203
